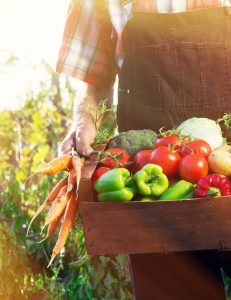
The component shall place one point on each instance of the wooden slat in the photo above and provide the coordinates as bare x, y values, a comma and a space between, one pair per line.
91, 163
85, 191
162, 226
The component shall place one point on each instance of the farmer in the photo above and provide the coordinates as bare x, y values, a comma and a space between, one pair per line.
171, 67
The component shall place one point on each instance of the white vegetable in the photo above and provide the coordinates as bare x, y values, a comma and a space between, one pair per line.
220, 160
203, 128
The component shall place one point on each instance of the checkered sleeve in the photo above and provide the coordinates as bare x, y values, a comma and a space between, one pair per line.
88, 51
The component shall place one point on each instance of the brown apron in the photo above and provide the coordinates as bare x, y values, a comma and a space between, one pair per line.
176, 66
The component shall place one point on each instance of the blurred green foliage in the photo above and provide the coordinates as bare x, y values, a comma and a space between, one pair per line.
28, 138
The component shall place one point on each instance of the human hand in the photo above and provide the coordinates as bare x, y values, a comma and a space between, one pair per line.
80, 136
84, 127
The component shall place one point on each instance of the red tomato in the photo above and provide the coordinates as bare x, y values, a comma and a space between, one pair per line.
123, 158
142, 158
169, 140
98, 173
167, 159
199, 147
193, 167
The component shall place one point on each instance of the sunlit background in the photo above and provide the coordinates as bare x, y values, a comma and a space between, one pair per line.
35, 114
32, 31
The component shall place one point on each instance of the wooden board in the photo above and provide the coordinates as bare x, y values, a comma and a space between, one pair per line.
152, 227
161, 226
85, 190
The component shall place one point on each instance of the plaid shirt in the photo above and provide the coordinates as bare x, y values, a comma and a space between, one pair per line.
92, 40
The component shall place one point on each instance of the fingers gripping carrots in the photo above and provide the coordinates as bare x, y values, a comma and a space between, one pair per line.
63, 199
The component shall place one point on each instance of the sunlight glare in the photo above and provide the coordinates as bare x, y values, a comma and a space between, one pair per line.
31, 30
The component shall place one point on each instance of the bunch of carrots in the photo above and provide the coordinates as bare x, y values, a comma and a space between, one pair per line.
63, 199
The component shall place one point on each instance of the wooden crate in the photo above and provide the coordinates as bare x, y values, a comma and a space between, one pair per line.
149, 227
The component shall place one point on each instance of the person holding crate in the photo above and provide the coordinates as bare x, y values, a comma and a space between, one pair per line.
173, 60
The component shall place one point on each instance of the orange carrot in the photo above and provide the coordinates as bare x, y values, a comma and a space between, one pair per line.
49, 199
58, 164
66, 226
53, 225
77, 163
71, 180
57, 206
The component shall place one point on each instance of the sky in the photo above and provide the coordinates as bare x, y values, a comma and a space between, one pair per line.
31, 30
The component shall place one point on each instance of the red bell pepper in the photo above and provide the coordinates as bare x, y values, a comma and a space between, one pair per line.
213, 185
98, 173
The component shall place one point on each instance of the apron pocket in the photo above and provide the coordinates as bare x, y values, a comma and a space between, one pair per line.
204, 74
155, 71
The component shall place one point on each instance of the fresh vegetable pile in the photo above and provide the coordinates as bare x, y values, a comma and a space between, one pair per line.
191, 161
63, 199
139, 165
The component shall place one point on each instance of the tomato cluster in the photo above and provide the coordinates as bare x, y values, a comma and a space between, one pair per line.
112, 158
179, 157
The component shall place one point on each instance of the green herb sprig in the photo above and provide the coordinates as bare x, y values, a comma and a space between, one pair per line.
106, 130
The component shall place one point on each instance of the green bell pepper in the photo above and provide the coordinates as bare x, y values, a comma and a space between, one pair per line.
147, 199
151, 180
179, 190
115, 185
